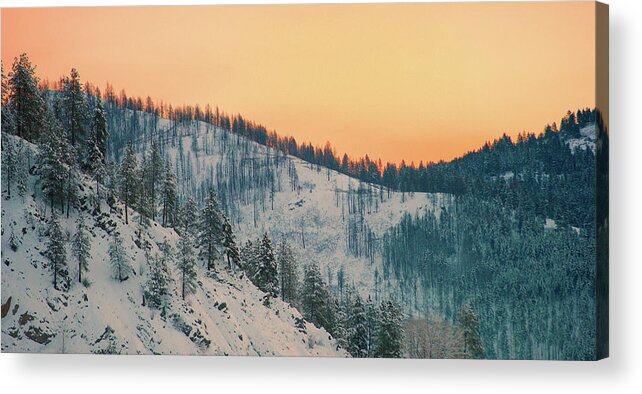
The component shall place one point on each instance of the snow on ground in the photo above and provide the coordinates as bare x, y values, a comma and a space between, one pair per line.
226, 316
587, 139
550, 224
315, 217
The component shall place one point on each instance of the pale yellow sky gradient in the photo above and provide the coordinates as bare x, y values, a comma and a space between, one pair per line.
395, 81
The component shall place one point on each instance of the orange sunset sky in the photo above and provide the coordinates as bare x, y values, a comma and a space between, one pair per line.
395, 81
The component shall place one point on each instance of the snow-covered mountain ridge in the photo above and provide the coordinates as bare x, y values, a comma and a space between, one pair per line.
226, 315
327, 217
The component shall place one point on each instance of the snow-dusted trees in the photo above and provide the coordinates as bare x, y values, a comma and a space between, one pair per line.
57, 254
358, 333
50, 164
128, 180
75, 108
210, 235
249, 253
187, 218
56, 164
10, 163
266, 275
232, 251
340, 324
26, 103
152, 180
372, 325
81, 248
95, 148
158, 280
316, 303
169, 196
390, 331
469, 323
99, 129
8, 116
186, 264
120, 263
288, 275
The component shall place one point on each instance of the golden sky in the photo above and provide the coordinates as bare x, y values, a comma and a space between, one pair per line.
396, 81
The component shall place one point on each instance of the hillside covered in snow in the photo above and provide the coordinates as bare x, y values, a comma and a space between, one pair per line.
134, 227
326, 216
226, 315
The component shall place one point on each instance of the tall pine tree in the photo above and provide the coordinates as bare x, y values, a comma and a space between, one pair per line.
469, 324
186, 265
390, 331
288, 275
358, 332
81, 248
266, 275
128, 179
169, 196
315, 299
210, 236
120, 263
75, 108
57, 254
24, 97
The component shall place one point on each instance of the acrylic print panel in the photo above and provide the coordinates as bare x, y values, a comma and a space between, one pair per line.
370, 180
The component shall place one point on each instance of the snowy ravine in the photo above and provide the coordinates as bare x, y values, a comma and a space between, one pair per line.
327, 217
225, 316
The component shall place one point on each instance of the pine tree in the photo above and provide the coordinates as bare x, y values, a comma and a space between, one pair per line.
153, 179
95, 161
157, 285
111, 180
128, 179
81, 248
57, 254
210, 236
75, 107
53, 160
144, 203
186, 265
5, 88
8, 115
341, 329
266, 275
390, 331
8, 118
99, 129
315, 299
232, 251
22, 167
358, 334
288, 276
249, 258
25, 100
469, 324
9, 162
187, 219
120, 263
169, 195
372, 326
341, 280
95, 167
72, 181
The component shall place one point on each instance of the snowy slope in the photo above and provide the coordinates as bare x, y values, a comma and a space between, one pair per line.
226, 316
316, 209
